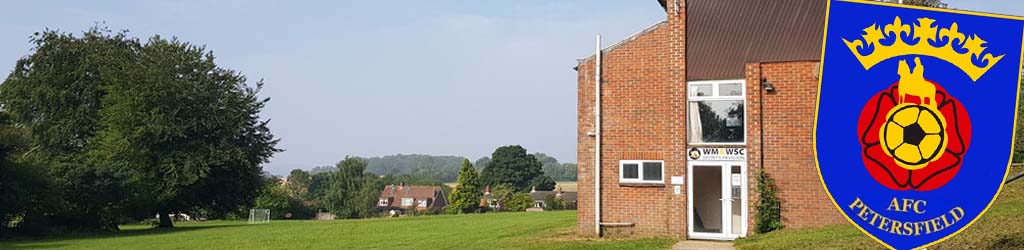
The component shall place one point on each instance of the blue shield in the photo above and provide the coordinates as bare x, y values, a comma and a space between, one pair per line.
915, 117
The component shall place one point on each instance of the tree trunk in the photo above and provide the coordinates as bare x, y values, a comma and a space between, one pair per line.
165, 219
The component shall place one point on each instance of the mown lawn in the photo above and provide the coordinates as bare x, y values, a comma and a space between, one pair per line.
1002, 227
540, 230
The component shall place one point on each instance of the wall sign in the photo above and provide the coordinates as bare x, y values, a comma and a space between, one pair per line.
718, 154
677, 180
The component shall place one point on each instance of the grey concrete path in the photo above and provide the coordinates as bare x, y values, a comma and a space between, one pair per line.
702, 245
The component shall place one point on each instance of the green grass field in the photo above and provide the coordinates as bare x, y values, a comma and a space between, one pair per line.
1002, 227
536, 230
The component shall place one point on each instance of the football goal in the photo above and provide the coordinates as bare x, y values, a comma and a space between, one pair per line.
259, 216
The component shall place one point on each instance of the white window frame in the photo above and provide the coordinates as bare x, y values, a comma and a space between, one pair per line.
640, 172
715, 96
382, 202
411, 202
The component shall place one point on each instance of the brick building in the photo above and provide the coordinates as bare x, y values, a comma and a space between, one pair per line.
418, 198
690, 109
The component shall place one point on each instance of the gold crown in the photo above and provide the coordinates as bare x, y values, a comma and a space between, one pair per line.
926, 35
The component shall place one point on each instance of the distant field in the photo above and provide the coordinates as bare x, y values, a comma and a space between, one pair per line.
526, 230
567, 186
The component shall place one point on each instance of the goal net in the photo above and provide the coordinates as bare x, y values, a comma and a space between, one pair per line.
259, 216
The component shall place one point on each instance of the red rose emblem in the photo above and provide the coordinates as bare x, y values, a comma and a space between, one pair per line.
893, 172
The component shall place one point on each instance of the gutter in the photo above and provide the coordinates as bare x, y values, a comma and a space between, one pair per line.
597, 138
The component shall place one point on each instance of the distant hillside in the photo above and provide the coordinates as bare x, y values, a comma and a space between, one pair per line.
446, 168
442, 168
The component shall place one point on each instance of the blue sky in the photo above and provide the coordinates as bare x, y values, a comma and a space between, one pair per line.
373, 78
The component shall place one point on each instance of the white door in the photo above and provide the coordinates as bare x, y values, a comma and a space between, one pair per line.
716, 200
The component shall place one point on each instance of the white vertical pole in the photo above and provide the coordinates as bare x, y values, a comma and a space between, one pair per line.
597, 138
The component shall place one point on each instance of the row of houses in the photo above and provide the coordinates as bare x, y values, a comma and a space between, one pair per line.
422, 198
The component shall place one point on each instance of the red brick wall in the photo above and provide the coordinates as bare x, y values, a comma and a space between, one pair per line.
788, 141
643, 97
643, 118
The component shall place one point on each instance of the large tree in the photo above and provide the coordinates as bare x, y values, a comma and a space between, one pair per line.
542, 182
351, 192
298, 184
273, 196
466, 197
131, 128
181, 126
56, 93
512, 165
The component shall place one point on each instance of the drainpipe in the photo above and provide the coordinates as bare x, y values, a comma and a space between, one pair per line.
760, 120
597, 139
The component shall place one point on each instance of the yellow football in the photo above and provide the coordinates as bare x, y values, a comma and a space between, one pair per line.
913, 135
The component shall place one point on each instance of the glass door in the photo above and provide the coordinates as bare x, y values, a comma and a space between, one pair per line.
717, 201
706, 205
737, 200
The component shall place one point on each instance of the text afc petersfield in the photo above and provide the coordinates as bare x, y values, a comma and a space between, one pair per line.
886, 224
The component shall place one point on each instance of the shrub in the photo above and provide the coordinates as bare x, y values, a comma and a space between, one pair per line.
552, 202
769, 209
519, 202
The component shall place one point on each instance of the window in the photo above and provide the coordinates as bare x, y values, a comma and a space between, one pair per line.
716, 112
641, 171
382, 202
406, 202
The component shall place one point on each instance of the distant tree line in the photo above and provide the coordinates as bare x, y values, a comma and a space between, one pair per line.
446, 168
442, 168
557, 171
350, 189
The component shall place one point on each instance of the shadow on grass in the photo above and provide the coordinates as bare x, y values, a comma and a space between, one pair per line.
57, 241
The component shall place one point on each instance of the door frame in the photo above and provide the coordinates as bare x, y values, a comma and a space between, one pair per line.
726, 168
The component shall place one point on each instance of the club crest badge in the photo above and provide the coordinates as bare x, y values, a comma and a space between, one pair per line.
915, 117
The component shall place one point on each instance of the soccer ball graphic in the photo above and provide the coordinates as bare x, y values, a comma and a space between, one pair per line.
914, 135
910, 144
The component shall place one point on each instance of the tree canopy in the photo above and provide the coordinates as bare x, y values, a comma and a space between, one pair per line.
351, 192
298, 183
129, 128
926, 3
466, 197
512, 165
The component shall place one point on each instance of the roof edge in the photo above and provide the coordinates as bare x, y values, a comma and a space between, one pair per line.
622, 42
